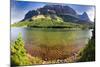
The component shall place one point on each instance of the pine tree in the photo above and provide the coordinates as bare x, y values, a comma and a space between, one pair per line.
88, 54
18, 52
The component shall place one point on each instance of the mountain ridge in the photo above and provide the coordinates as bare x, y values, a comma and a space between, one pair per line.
64, 12
53, 16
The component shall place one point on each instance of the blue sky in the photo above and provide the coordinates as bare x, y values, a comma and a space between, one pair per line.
19, 9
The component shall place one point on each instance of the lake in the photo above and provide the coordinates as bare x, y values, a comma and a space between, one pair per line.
52, 44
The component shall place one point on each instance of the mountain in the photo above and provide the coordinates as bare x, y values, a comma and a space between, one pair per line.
67, 13
57, 9
84, 17
30, 14
55, 16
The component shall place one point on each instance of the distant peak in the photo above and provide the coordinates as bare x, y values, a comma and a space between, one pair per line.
85, 14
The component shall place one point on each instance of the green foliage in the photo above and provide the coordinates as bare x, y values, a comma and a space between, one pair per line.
18, 53
48, 22
21, 24
88, 54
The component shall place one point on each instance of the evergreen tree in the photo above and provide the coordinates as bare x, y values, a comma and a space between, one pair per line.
88, 54
18, 52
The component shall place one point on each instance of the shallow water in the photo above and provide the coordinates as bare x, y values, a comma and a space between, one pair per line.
52, 44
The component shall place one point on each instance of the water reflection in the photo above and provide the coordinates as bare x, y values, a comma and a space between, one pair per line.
50, 44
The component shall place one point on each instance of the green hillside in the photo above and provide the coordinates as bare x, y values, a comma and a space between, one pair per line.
42, 21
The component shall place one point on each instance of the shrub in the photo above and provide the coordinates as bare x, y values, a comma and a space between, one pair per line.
88, 53
18, 53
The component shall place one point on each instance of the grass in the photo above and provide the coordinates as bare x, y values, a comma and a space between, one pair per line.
48, 22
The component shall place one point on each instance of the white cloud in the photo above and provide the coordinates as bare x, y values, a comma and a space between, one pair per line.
91, 13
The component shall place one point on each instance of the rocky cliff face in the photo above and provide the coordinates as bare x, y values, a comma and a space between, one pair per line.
30, 14
65, 12
84, 16
58, 9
